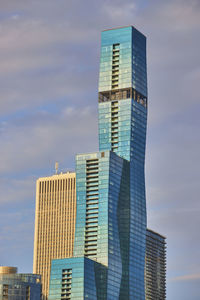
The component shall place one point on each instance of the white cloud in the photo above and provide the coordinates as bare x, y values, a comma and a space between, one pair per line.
187, 277
41, 139
182, 15
14, 190
119, 11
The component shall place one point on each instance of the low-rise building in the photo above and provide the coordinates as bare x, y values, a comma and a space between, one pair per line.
16, 286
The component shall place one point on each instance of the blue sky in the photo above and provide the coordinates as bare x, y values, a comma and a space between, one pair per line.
49, 57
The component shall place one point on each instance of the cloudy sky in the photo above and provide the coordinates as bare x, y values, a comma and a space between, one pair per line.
49, 58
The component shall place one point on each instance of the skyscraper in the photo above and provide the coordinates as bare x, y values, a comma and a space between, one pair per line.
122, 129
110, 235
155, 266
55, 217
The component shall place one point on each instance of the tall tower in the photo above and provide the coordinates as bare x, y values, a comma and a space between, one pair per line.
110, 235
122, 129
55, 217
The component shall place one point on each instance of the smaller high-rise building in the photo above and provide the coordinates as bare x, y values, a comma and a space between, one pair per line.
75, 278
155, 266
99, 267
55, 217
14, 286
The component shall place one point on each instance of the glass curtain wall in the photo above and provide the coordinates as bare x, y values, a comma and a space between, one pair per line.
122, 129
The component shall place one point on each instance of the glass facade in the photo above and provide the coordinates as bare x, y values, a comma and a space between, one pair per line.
155, 266
76, 278
102, 225
122, 129
15, 286
110, 234
123, 60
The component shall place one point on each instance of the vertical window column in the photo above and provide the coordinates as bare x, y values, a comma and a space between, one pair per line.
5, 292
114, 125
115, 66
92, 201
66, 284
28, 294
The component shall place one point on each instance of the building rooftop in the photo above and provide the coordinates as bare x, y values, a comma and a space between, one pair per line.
154, 232
118, 27
8, 270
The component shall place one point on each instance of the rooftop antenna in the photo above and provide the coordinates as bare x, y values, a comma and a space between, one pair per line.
56, 167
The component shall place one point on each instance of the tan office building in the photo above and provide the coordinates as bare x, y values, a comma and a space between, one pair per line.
55, 217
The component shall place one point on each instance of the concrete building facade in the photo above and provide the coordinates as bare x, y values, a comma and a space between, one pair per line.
55, 217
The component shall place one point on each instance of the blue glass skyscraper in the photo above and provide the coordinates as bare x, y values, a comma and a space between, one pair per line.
110, 233
122, 129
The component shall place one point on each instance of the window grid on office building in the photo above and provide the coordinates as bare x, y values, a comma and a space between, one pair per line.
155, 266
54, 223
